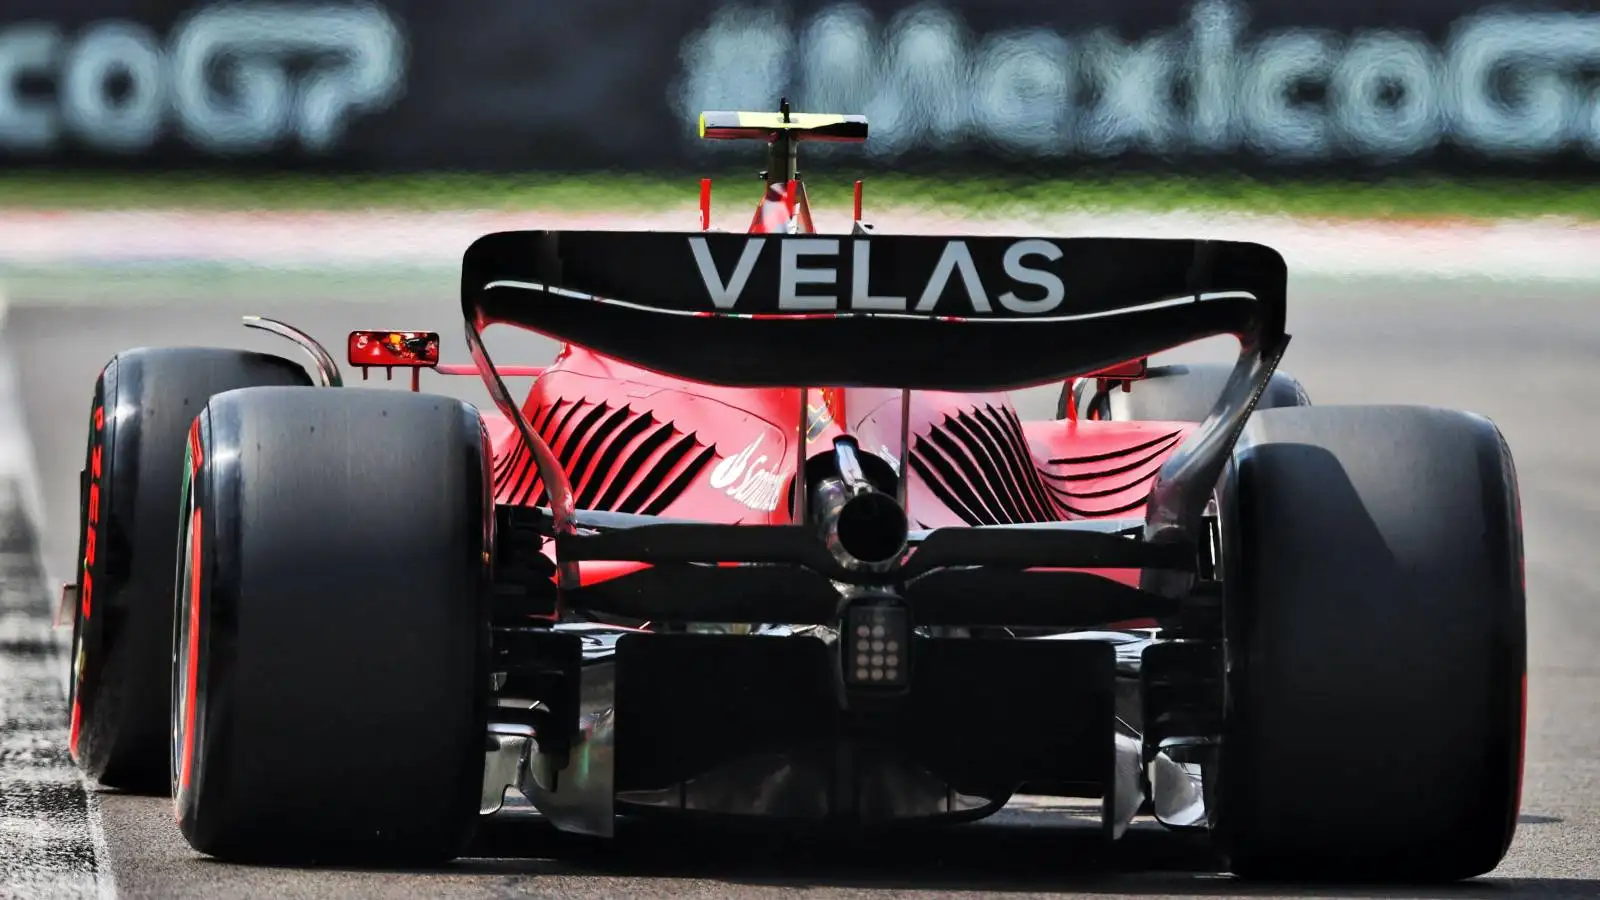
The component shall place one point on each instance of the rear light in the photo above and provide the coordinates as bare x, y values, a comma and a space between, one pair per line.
876, 646
388, 350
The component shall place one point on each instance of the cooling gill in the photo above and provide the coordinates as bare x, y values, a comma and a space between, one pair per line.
977, 462
618, 460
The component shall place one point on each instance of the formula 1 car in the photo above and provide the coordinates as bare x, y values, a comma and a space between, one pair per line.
769, 540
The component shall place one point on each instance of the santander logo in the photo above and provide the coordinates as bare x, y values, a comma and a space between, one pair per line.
746, 480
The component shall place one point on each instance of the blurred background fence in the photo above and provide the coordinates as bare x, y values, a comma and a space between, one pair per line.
1041, 87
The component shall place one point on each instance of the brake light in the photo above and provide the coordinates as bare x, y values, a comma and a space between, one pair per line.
876, 646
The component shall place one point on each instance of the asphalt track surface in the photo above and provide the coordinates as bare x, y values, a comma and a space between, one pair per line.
1525, 354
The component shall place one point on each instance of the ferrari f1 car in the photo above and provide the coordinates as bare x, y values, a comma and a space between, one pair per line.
768, 539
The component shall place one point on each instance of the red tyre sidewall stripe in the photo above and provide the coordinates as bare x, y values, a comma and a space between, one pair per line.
192, 673
1522, 751
77, 719
191, 686
197, 453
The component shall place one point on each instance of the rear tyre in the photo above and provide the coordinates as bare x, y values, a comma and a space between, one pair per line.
331, 664
1176, 393
1376, 645
119, 691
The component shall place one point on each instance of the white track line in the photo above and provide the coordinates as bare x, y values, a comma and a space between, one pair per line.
45, 850
48, 845
105, 873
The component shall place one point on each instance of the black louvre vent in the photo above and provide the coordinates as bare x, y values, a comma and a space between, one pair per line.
977, 463
618, 460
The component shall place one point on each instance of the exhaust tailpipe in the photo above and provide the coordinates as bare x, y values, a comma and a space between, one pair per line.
863, 527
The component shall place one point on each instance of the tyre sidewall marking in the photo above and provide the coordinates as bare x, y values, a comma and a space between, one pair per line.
87, 632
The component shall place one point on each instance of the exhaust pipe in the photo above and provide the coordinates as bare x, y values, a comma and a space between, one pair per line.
863, 527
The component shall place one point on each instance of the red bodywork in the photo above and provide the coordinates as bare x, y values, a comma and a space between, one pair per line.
636, 441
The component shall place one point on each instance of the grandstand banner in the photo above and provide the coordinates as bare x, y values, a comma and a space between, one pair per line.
1030, 86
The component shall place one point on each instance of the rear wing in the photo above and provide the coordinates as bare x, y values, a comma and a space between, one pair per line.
896, 311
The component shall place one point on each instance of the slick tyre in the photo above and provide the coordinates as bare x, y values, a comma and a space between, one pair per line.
120, 684
1176, 393
331, 660
1376, 647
